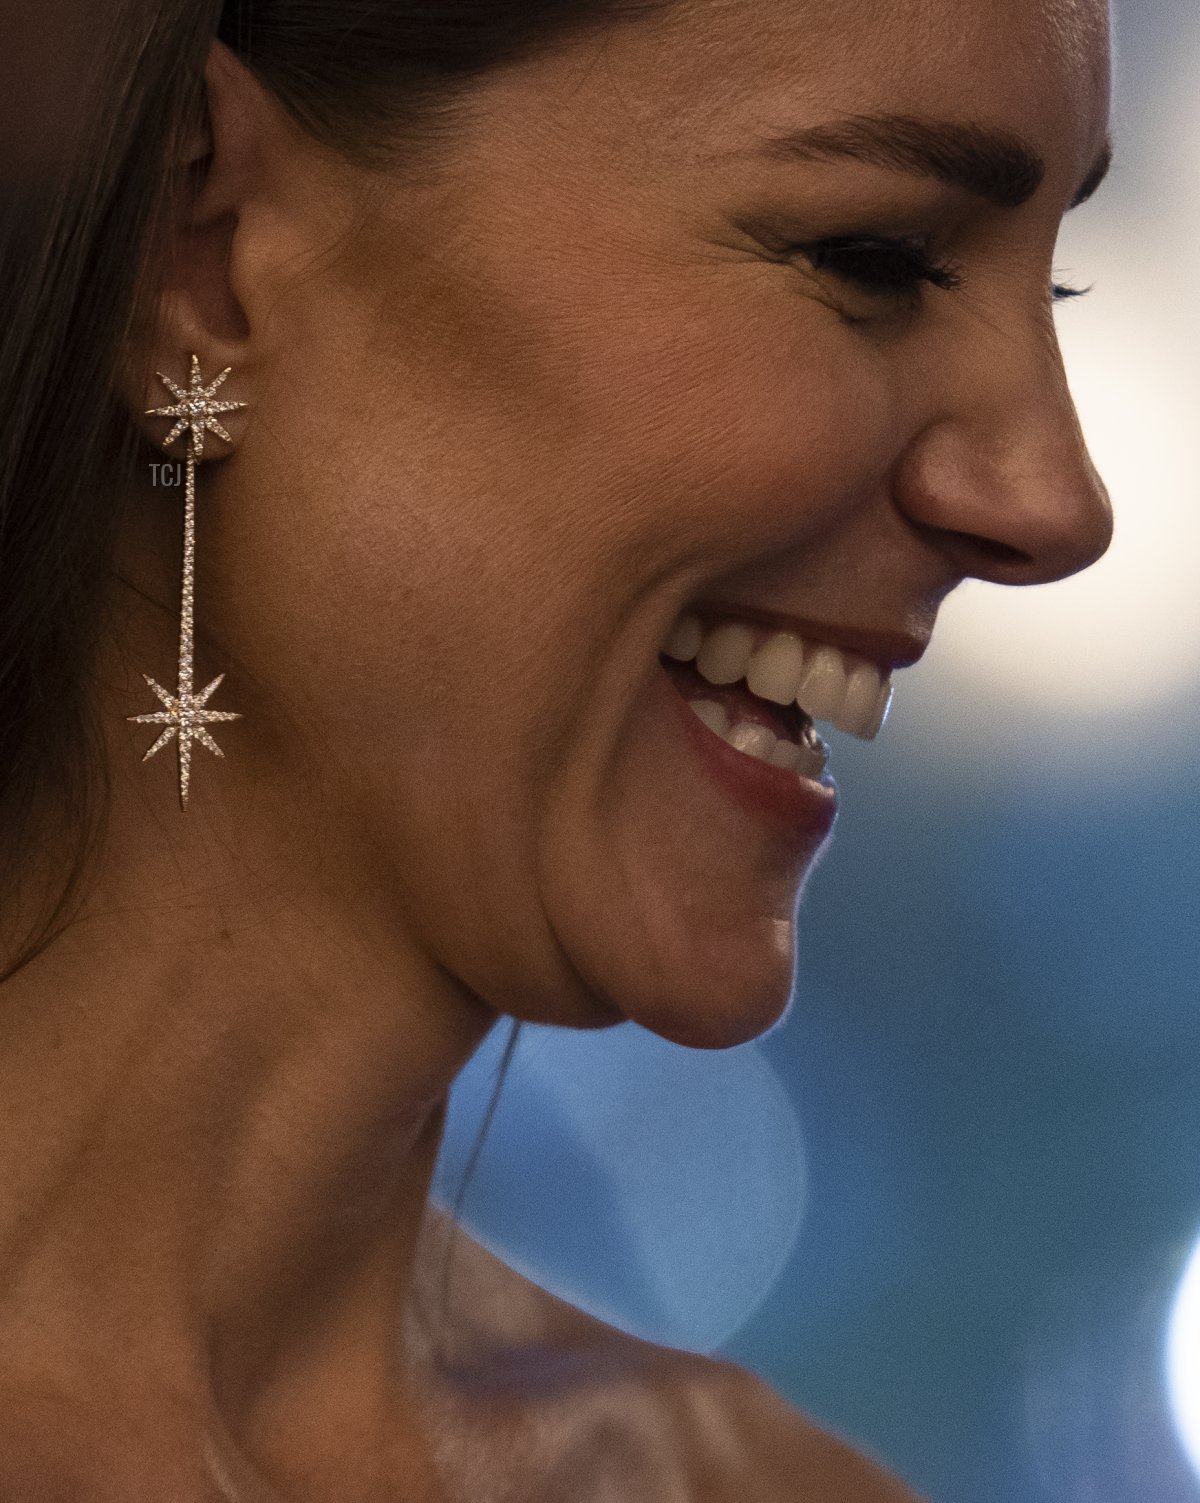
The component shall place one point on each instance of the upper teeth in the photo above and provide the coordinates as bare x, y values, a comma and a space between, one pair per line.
826, 683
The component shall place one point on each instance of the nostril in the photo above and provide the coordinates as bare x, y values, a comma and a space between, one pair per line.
1010, 496
978, 553
998, 553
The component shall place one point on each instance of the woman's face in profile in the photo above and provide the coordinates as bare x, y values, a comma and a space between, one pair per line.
618, 358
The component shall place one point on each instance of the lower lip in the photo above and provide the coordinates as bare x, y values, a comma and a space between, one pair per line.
804, 808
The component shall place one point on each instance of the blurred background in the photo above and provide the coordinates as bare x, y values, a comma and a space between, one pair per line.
951, 1207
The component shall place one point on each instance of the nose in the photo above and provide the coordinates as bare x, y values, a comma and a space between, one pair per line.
1002, 481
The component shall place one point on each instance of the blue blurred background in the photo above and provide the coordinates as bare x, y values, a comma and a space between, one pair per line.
949, 1206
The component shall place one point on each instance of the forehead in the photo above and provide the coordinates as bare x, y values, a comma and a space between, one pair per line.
719, 73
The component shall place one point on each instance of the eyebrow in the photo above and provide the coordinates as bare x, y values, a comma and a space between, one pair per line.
992, 164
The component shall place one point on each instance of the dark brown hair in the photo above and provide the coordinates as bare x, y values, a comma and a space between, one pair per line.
82, 204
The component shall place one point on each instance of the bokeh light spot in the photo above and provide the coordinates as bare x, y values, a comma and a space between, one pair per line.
1183, 1360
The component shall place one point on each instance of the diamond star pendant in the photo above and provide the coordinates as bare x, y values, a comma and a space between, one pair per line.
185, 715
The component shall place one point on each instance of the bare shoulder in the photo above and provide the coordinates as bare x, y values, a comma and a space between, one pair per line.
605, 1414
785, 1454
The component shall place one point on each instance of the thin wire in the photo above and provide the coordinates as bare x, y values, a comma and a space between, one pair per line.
465, 1182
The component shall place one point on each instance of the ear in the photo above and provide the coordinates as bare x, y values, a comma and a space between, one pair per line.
216, 172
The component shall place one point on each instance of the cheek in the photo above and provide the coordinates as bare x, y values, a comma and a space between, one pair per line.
750, 432
523, 467
568, 428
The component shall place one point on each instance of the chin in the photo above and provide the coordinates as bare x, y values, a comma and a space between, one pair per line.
728, 995
704, 1023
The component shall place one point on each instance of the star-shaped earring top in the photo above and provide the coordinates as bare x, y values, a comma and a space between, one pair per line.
195, 408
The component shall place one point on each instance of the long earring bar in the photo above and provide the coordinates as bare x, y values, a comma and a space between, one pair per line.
185, 714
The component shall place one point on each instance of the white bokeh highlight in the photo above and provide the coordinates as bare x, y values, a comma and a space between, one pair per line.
1183, 1361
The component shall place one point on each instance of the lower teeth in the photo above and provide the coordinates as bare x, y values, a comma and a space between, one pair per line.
807, 759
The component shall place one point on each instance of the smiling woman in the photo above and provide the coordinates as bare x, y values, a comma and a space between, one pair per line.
698, 349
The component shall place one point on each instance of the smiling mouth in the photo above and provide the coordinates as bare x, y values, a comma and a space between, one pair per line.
762, 691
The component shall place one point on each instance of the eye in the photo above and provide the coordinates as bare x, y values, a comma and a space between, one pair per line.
895, 267
884, 266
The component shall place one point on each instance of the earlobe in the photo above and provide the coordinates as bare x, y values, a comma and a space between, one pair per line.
165, 361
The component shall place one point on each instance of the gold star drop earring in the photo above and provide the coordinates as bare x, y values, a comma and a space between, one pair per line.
184, 714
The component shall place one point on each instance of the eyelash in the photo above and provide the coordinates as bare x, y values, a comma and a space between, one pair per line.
894, 267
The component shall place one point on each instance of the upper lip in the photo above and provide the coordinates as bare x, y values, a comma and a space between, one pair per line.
889, 649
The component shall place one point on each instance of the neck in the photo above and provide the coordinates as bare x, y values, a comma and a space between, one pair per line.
220, 1108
